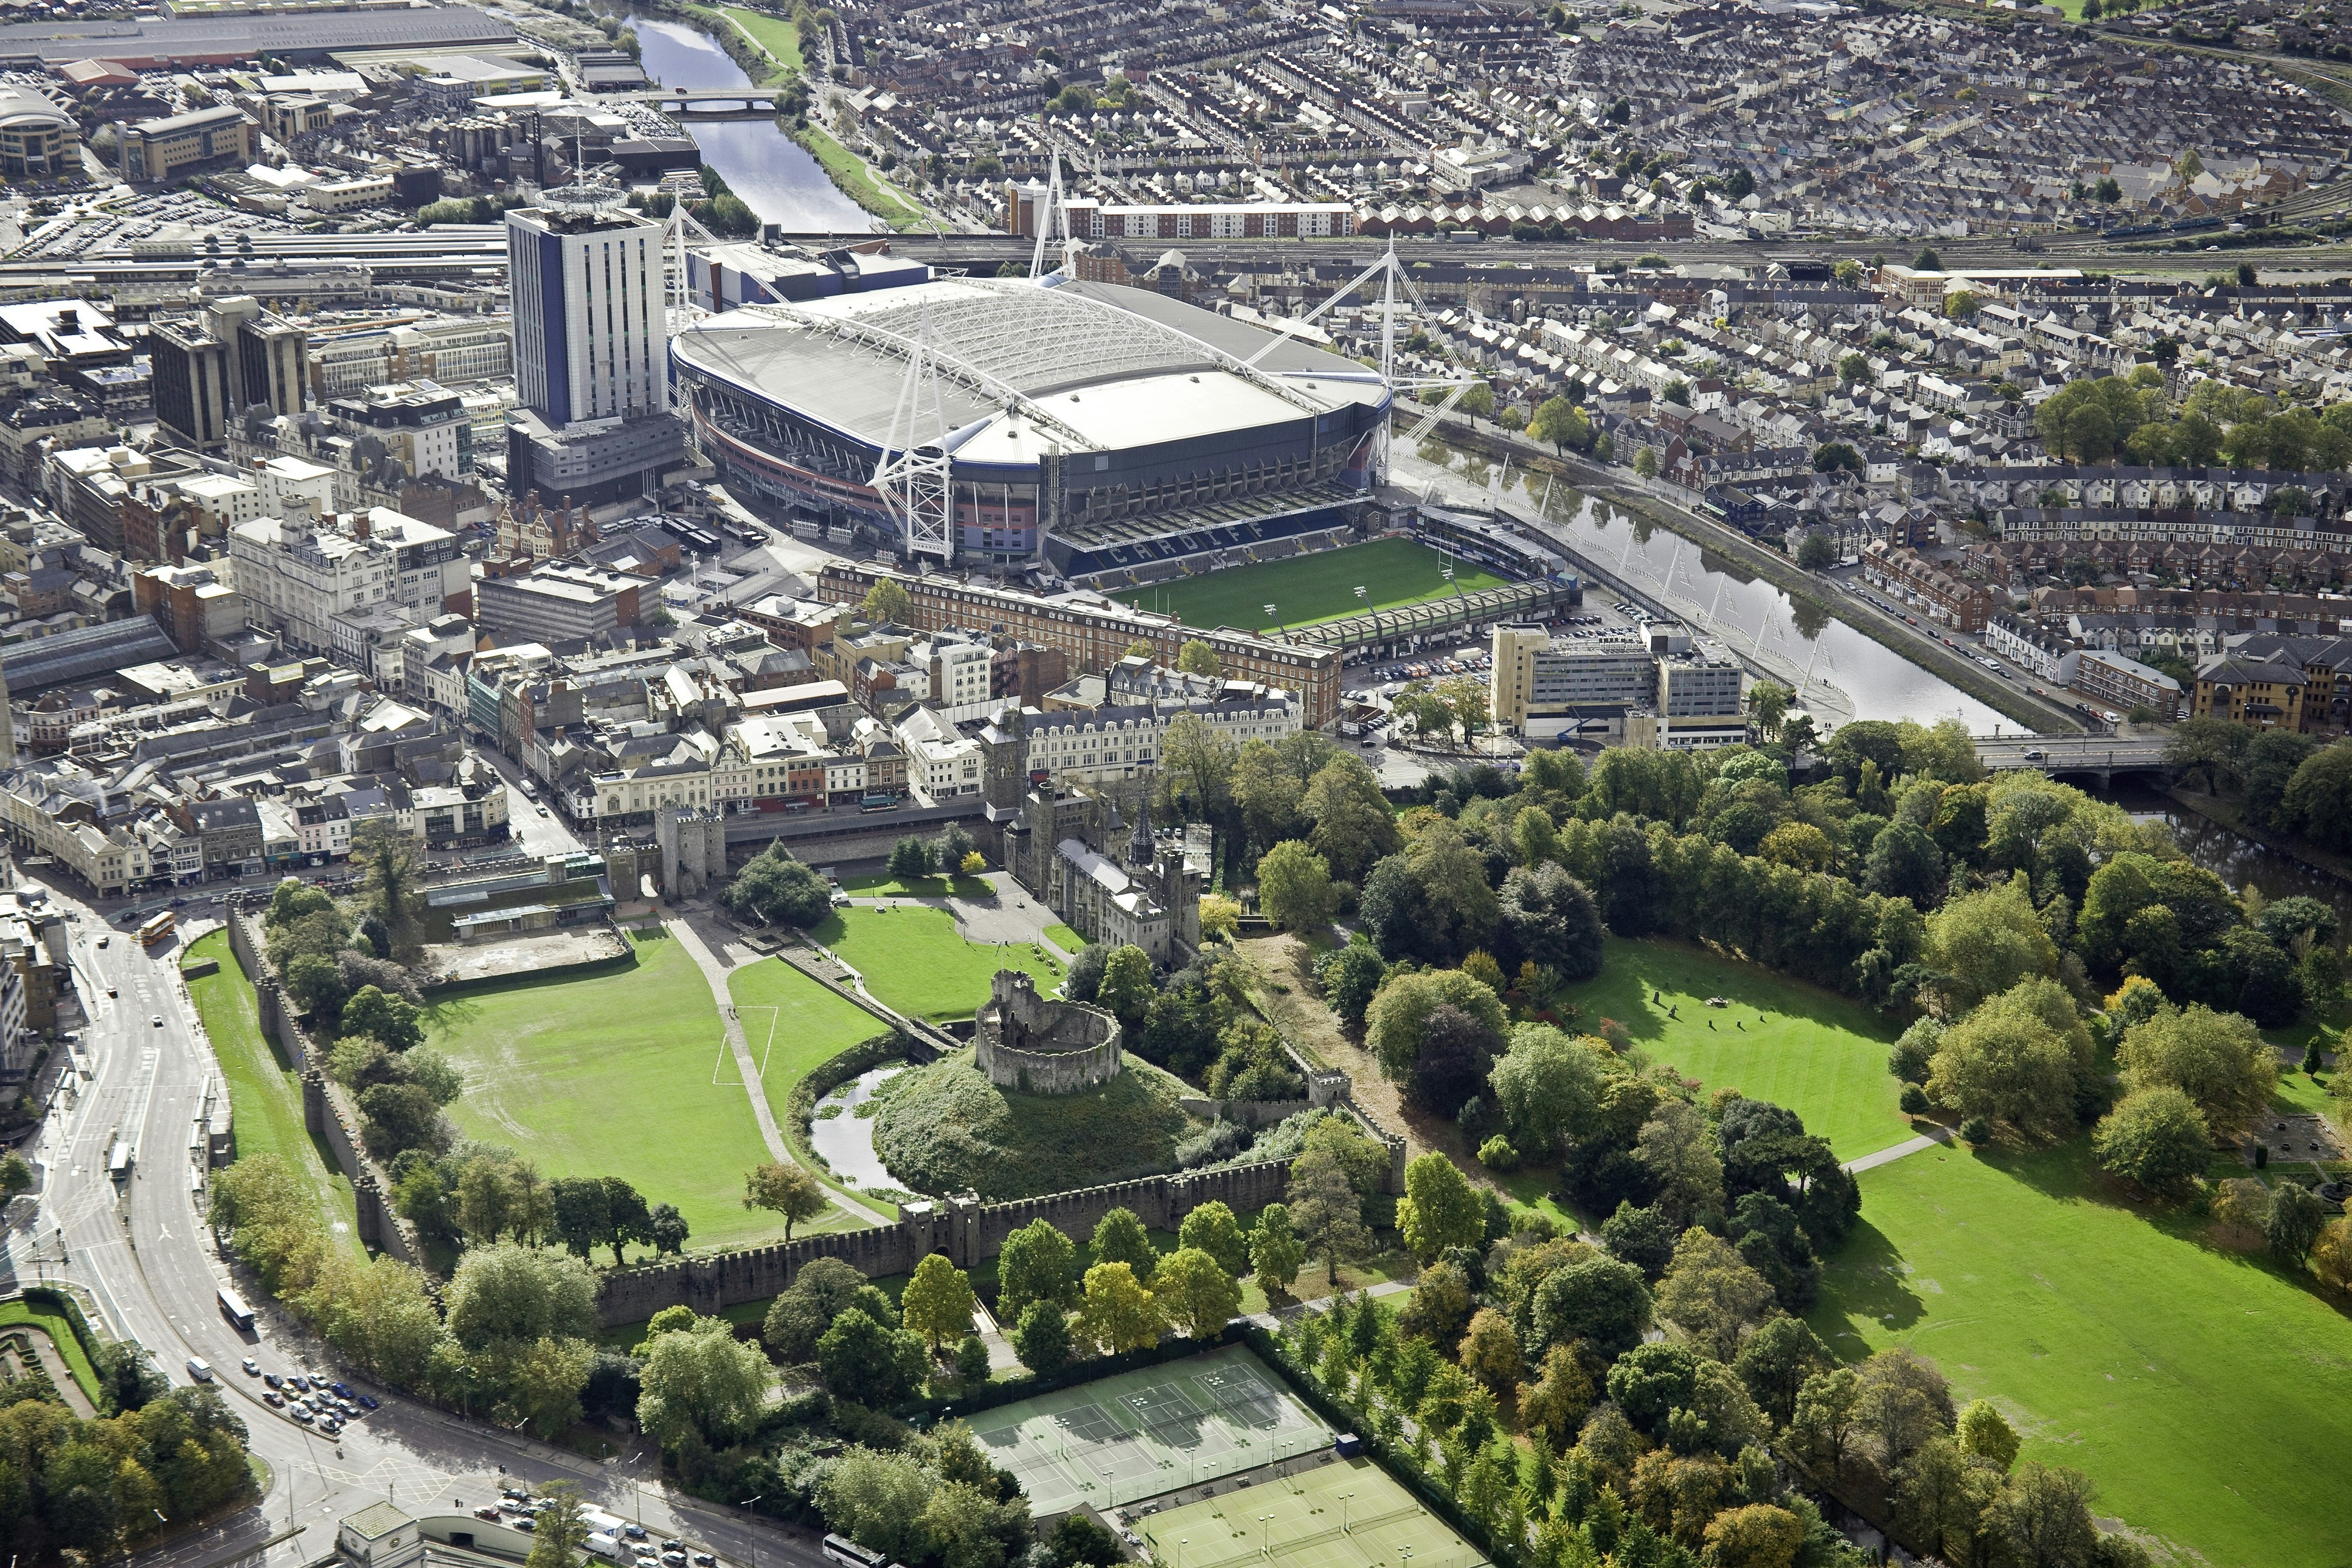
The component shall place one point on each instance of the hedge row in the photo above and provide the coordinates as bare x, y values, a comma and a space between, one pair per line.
800, 1110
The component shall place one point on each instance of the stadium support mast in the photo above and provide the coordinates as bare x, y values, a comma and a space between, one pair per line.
1391, 273
1055, 208
913, 478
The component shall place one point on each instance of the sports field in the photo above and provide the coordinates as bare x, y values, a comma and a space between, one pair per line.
916, 961
265, 1096
624, 1074
2200, 1389
1795, 1045
1119, 1439
1319, 587
794, 1025
1347, 1514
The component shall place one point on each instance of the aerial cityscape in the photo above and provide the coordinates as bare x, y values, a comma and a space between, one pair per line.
989, 785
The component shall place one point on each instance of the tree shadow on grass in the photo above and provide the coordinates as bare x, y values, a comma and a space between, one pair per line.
1869, 1282
2067, 1173
1634, 968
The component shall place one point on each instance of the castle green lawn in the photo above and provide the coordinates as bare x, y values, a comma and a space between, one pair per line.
916, 961
2203, 1391
809, 1026
1321, 586
624, 1074
265, 1096
1063, 937
1796, 1044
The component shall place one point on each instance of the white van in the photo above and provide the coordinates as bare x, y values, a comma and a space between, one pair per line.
200, 1369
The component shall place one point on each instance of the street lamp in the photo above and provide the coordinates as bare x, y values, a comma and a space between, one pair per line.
1262, 1520
751, 1529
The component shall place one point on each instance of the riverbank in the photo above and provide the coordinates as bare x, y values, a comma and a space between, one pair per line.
767, 49
2229, 814
1781, 572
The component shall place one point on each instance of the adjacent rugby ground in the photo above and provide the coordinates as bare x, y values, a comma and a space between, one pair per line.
1322, 586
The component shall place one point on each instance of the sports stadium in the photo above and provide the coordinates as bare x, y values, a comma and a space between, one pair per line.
1072, 430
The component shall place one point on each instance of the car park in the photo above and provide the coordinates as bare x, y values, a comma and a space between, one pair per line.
302, 1415
273, 1380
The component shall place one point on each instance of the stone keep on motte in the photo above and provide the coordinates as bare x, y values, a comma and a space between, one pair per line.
1031, 1045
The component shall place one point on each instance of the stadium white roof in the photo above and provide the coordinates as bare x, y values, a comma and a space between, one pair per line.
1025, 368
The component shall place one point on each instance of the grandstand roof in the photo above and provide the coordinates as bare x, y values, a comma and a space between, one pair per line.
34, 666
1081, 366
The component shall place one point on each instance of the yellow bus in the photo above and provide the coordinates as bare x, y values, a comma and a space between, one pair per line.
159, 928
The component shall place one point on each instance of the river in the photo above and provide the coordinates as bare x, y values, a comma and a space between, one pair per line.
1738, 610
776, 177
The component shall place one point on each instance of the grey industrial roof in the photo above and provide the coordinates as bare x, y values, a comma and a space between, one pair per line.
232, 38
34, 666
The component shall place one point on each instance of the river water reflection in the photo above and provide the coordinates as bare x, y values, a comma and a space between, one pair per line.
777, 177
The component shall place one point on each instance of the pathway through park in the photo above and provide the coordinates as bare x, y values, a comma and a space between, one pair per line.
715, 973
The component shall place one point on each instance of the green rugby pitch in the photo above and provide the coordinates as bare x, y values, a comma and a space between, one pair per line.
2202, 1390
916, 961
1305, 589
624, 1074
1798, 1046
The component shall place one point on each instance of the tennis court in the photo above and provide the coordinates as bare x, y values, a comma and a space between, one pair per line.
1119, 1439
1347, 1514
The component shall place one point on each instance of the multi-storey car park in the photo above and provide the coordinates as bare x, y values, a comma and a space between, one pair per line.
1089, 431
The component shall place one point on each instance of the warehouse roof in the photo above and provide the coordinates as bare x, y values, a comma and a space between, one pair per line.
190, 40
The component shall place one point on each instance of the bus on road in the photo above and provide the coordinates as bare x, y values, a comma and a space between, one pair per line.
156, 929
234, 1308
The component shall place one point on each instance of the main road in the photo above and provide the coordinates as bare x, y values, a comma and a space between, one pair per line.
144, 1073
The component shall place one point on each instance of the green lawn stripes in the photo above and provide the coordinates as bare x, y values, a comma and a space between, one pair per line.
2202, 1390
1322, 586
265, 1096
1820, 1055
916, 963
613, 1076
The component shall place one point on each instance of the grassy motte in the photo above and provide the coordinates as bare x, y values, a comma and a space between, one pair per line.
1322, 586
1798, 1046
265, 1096
946, 1128
916, 963
624, 1074
2202, 1389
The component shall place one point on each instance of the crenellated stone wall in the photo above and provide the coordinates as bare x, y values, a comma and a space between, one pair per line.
966, 1233
326, 1110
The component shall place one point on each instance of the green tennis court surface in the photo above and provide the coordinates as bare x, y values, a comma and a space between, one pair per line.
1347, 1514
1119, 1439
